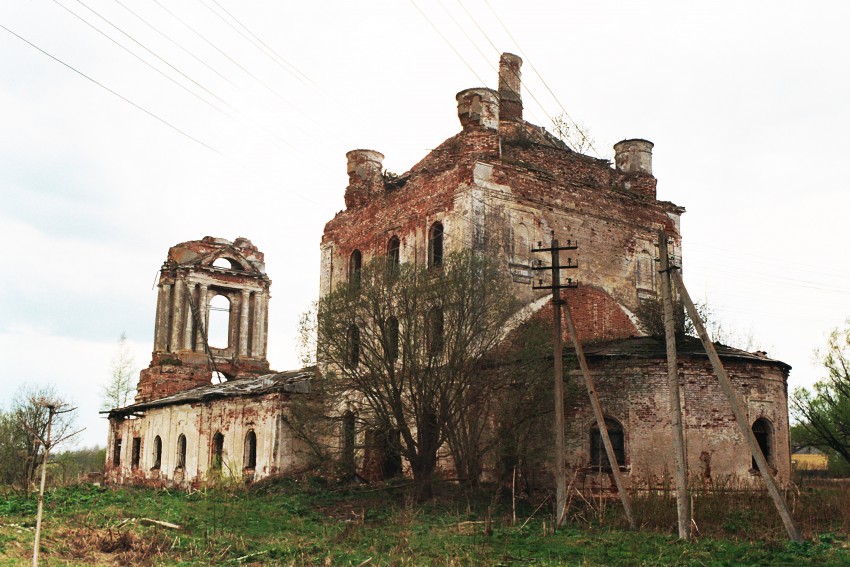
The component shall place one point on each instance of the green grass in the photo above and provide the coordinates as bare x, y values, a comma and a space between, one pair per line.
292, 523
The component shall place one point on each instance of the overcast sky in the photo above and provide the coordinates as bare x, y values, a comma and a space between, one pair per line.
230, 119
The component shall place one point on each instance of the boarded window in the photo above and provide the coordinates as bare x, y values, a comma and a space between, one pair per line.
181, 452
217, 451
250, 456
116, 452
598, 456
136, 453
435, 245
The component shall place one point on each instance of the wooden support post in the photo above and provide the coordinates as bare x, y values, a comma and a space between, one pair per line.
737, 411
558, 393
683, 501
600, 418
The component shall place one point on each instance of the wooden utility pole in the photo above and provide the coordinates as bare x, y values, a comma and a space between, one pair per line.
600, 419
737, 411
683, 501
558, 349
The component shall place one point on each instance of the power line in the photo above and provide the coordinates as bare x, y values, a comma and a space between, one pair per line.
445, 39
533, 68
156, 117
125, 48
122, 97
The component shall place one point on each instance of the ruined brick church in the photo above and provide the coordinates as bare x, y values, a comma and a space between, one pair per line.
501, 182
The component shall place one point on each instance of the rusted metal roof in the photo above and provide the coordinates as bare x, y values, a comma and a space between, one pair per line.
293, 381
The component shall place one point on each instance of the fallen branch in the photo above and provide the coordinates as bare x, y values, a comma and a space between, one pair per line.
244, 557
168, 525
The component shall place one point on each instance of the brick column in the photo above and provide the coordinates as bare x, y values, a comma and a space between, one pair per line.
187, 331
243, 322
203, 311
160, 340
176, 315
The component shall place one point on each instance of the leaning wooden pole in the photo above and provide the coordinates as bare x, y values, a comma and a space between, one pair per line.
558, 391
683, 500
740, 416
600, 418
36, 543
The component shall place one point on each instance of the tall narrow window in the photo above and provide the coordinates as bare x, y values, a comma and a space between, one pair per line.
355, 265
763, 432
598, 456
434, 328
157, 453
353, 354
217, 451
393, 254
392, 338
136, 454
250, 456
435, 245
348, 442
181, 452
218, 333
116, 452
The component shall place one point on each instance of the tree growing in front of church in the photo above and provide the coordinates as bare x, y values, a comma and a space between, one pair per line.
401, 347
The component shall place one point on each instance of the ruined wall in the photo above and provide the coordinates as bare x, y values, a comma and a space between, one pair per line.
276, 449
634, 392
502, 186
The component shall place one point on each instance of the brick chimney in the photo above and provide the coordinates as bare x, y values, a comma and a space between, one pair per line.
364, 176
478, 108
510, 107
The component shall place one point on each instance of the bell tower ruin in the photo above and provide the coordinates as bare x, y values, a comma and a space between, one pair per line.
200, 277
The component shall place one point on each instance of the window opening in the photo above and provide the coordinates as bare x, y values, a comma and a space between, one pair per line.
762, 430
393, 254
434, 327
355, 265
116, 453
250, 458
217, 450
392, 338
181, 452
226, 263
218, 333
348, 442
353, 358
157, 453
598, 456
435, 245
218, 378
136, 453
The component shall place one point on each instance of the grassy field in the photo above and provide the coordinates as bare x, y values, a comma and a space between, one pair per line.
308, 523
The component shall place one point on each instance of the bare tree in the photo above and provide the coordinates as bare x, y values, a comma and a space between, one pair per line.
402, 346
576, 136
119, 391
31, 416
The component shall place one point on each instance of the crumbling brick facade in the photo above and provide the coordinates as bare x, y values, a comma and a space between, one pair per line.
502, 186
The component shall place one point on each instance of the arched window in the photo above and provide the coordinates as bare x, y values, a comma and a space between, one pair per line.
217, 451
392, 338
435, 245
598, 456
181, 452
434, 328
355, 265
763, 432
157, 453
353, 347
218, 333
393, 254
250, 456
